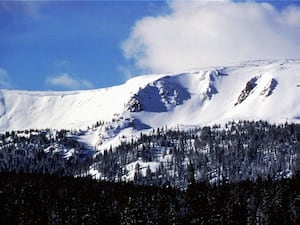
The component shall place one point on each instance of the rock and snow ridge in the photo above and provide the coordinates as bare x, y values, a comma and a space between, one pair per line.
253, 90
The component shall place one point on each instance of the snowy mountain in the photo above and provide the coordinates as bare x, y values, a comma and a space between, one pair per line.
119, 133
252, 90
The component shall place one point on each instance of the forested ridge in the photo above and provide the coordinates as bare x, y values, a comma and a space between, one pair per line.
42, 151
244, 150
240, 173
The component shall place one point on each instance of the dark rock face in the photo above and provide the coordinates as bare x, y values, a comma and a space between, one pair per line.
160, 96
269, 89
251, 84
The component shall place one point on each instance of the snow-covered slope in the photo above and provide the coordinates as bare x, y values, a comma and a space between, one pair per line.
253, 90
267, 90
21, 110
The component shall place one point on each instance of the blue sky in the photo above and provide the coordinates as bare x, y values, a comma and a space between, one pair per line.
65, 45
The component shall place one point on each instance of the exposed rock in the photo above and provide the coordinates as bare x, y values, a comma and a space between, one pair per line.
160, 96
251, 84
269, 88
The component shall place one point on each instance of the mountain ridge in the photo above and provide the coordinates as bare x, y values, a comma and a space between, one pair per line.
249, 90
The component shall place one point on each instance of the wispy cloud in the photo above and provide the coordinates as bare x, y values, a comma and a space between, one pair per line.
203, 33
62, 63
126, 72
25, 7
66, 81
4, 79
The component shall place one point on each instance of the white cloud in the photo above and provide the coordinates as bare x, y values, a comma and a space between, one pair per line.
66, 81
4, 79
203, 33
